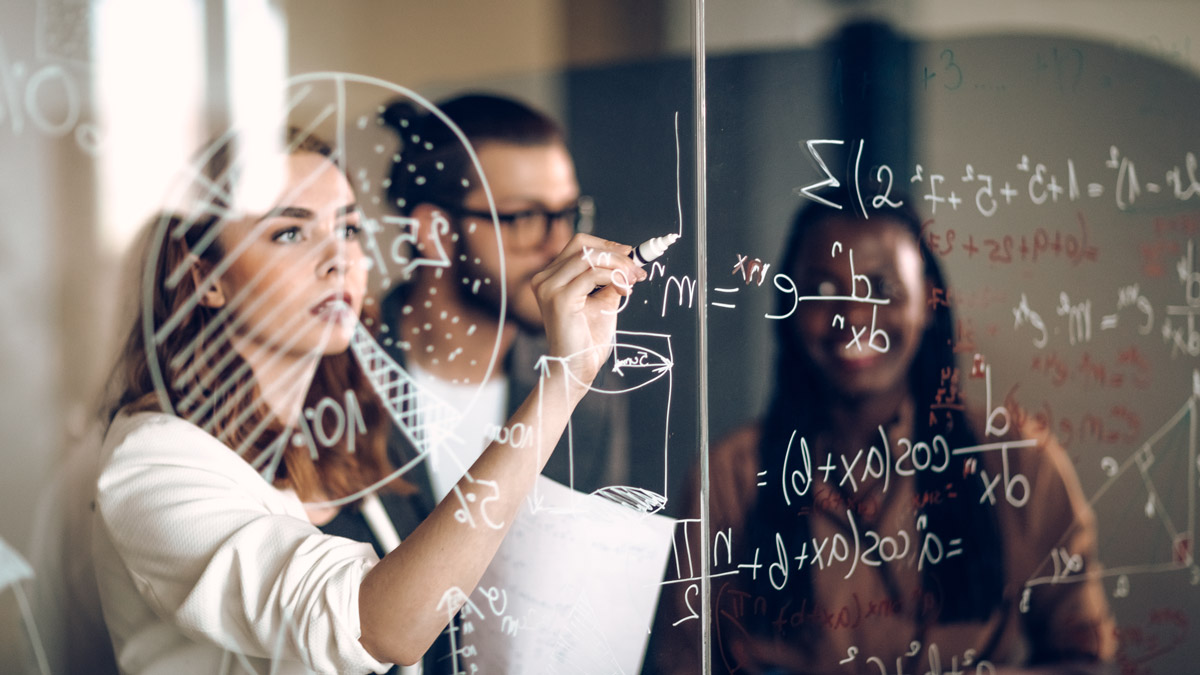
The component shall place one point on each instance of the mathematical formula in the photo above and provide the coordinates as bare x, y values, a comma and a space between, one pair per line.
48, 98
988, 193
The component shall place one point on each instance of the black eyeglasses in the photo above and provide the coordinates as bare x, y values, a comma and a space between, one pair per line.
531, 228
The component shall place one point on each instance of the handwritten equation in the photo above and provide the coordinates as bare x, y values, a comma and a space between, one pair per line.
46, 97
933, 662
1044, 245
866, 546
1028, 180
1178, 328
1077, 320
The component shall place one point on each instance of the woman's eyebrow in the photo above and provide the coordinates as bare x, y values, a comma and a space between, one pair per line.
298, 212
304, 213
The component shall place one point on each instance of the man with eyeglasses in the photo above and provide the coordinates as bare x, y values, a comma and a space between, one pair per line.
470, 303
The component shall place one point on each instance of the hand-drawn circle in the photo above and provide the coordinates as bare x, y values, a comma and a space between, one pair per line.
659, 367
296, 90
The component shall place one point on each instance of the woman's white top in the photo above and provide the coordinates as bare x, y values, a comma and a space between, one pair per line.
456, 449
205, 567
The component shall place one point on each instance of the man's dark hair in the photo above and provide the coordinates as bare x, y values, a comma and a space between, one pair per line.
432, 164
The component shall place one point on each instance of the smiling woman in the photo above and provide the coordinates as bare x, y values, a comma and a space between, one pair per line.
938, 562
248, 343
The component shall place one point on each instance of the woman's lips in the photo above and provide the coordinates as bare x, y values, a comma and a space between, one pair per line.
854, 357
337, 307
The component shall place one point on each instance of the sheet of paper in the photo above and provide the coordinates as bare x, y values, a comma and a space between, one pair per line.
573, 588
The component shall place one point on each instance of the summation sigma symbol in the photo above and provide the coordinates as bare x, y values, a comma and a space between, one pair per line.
987, 192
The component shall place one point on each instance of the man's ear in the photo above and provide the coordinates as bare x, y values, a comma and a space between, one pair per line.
210, 295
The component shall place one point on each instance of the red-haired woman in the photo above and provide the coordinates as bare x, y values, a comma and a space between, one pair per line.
251, 302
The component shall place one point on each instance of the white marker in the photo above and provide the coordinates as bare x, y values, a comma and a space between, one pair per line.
649, 251
652, 249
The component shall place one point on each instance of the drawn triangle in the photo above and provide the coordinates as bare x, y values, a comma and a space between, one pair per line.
1146, 509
